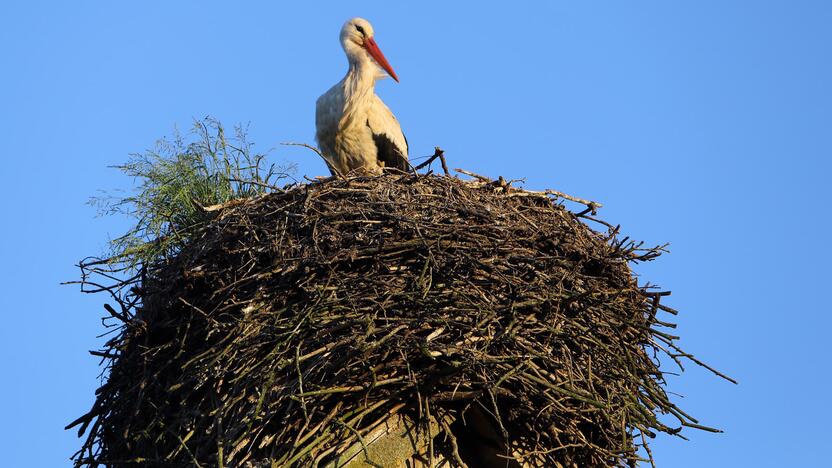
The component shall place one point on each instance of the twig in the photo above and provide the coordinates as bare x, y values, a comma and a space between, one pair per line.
471, 174
437, 153
588, 203
591, 205
319, 153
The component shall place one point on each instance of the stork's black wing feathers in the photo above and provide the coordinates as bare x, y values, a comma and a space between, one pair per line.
388, 153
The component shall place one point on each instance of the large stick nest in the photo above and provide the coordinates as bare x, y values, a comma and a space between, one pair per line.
296, 322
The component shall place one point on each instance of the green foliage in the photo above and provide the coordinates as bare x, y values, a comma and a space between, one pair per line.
177, 180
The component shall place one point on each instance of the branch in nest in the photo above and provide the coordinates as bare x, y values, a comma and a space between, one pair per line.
591, 205
318, 152
437, 153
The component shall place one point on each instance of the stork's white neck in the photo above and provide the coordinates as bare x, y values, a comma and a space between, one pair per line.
358, 87
361, 76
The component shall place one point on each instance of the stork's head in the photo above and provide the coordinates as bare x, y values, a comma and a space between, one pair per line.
359, 45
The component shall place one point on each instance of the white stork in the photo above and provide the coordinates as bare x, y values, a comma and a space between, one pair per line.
355, 130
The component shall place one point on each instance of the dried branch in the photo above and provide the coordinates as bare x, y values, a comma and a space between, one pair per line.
437, 153
329, 163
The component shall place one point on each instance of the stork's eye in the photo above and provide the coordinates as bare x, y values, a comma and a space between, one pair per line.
360, 29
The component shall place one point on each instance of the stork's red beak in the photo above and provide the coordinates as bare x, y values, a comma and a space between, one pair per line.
375, 53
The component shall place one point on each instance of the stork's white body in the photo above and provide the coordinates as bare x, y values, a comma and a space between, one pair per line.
355, 129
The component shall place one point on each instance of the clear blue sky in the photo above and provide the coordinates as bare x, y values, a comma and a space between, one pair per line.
704, 123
